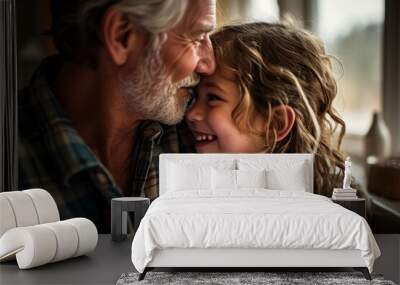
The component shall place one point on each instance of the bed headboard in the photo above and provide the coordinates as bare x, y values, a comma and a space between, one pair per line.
278, 162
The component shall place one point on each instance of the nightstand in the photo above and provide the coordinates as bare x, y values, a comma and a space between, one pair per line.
120, 207
357, 205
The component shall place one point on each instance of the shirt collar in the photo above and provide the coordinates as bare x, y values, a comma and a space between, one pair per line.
151, 130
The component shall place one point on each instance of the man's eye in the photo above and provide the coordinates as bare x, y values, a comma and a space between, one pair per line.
197, 42
199, 38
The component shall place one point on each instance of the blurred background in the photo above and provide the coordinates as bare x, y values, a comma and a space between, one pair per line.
364, 36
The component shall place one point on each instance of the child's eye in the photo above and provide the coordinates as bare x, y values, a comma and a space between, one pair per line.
213, 97
193, 97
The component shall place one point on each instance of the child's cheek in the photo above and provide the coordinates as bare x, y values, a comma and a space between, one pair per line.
220, 121
224, 128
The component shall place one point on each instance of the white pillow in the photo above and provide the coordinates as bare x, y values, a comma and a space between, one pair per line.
292, 179
224, 179
251, 178
181, 178
282, 174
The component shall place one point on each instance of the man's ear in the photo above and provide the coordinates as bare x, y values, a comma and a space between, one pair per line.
120, 35
285, 116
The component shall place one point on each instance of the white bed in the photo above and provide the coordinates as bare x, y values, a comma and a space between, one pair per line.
202, 220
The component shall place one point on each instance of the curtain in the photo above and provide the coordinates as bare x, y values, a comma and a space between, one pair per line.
8, 97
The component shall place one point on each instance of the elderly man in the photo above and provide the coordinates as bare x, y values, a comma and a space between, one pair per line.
96, 116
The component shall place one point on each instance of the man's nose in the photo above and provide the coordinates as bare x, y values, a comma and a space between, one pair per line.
206, 64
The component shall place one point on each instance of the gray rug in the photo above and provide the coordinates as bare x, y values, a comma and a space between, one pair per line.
230, 278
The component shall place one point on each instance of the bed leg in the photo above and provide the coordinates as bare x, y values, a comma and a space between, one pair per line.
364, 271
143, 274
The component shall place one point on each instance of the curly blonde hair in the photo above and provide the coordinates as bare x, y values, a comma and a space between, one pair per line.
277, 64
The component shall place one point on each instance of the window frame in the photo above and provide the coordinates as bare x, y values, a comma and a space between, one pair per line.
390, 89
391, 72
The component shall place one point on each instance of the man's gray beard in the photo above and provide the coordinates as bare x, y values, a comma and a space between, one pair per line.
149, 92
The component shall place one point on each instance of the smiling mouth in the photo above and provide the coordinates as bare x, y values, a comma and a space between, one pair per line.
203, 137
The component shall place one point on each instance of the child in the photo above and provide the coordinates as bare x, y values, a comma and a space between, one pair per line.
272, 92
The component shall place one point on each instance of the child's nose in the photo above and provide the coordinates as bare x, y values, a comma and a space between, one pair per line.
195, 113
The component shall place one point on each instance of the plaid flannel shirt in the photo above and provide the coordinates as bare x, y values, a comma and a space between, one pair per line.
54, 157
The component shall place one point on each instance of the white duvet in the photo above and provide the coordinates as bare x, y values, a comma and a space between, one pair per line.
252, 218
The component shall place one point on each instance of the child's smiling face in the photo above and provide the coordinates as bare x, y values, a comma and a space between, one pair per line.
210, 118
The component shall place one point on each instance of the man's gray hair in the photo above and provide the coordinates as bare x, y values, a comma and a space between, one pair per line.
77, 23
155, 16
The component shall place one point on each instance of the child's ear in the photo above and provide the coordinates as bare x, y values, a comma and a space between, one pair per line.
285, 116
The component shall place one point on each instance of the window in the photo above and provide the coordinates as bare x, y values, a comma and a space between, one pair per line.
235, 11
353, 31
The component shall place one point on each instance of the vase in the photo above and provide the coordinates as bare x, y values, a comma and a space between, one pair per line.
377, 139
